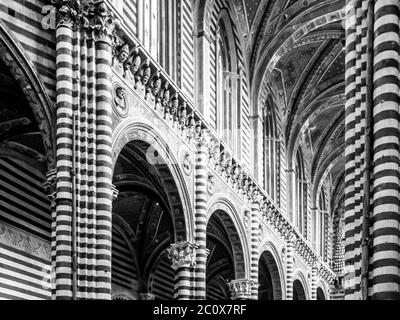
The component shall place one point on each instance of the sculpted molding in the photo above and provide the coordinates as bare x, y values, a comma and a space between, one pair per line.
23, 241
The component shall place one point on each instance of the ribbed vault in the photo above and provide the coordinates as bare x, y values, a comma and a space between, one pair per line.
149, 203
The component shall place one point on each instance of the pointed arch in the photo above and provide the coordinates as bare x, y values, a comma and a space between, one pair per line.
13, 57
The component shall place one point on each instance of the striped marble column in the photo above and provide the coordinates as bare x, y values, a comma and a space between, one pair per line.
104, 172
62, 227
200, 215
386, 211
289, 268
84, 163
381, 64
327, 240
314, 274
356, 56
254, 246
51, 192
183, 256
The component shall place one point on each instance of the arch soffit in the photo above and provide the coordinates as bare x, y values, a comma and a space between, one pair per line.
219, 202
22, 69
270, 247
132, 130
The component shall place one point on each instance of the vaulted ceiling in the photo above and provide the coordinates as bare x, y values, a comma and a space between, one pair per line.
19, 133
295, 57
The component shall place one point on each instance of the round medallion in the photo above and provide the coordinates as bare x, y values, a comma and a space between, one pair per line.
119, 101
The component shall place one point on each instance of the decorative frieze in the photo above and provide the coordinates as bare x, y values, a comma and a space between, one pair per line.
28, 243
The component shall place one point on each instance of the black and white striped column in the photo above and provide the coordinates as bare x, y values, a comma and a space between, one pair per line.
386, 211
254, 246
62, 227
383, 263
84, 163
183, 256
314, 275
289, 268
200, 215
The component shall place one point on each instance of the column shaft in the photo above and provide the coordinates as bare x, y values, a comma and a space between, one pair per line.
289, 270
254, 247
200, 221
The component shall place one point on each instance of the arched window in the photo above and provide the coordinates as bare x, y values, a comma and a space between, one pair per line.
272, 148
320, 223
158, 32
228, 85
301, 193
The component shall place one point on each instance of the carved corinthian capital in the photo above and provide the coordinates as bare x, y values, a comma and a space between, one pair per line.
241, 289
67, 12
146, 296
101, 21
92, 16
183, 254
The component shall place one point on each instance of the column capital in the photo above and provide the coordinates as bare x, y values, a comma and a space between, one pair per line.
67, 12
146, 296
241, 289
183, 254
203, 137
101, 21
92, 16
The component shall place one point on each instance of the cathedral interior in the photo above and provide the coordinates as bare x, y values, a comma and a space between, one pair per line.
199, 149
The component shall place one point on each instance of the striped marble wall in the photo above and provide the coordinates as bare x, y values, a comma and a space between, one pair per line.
30, 23
244, 91
123, 268
187, 48
25, 219
133, 21
162, 279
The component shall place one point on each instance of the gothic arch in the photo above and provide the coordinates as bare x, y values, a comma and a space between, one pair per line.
13, 56
235, 230
330, 161
307, 116
225, 18
277, 269
130, 131
324, 290
204, 9
300, 283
